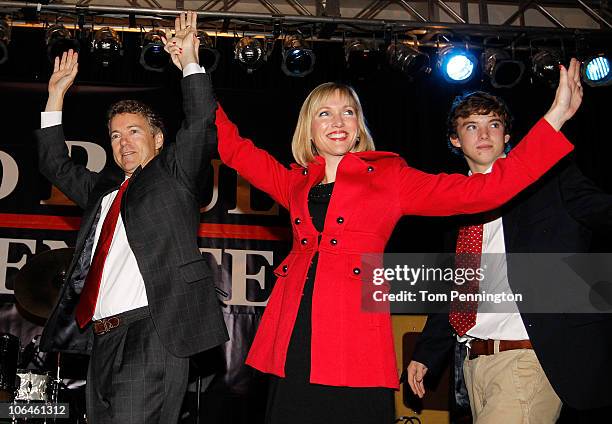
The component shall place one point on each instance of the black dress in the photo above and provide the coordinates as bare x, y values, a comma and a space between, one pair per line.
294, 399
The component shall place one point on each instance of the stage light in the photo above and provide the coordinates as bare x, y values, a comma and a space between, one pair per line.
362, 57
106, 46
596, 71
499, 66
408, 59
250, 53
545, 66
58, 41
5, 39
456, 65
209, 56
153, 57
298, 59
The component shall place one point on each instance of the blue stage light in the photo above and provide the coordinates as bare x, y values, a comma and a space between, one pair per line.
597, 71
153, 57
456, 65
298, 59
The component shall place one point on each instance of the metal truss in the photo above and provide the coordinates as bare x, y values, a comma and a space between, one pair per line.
372, 10
337, 18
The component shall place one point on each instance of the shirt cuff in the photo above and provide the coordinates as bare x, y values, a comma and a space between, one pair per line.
50, 119
193, 68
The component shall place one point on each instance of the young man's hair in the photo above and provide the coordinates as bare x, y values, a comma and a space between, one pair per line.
476, 103
139, 108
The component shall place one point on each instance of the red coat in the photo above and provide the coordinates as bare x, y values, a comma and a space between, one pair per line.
372, 191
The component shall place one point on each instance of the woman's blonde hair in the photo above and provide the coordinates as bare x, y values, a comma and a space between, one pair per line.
302, 145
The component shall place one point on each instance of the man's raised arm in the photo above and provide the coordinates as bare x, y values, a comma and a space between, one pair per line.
197, 138
54, 162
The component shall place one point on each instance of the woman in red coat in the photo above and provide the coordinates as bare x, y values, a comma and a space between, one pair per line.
330, 361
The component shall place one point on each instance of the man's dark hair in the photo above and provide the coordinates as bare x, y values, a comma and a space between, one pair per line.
134, 106
476, 103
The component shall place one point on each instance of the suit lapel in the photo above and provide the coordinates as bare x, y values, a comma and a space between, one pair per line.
110, 180
510, 220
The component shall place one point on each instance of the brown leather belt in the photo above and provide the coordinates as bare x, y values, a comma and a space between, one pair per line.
487, 347
105, 325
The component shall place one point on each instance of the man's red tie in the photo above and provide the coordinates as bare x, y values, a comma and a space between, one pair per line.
89, 295
462, 315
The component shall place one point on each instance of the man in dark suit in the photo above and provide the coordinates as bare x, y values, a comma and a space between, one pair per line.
138, 293
521, 366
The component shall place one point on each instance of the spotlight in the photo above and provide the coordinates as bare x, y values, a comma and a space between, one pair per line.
208, 54
596, 71
298, 60
5, 38
408, 59
153, 57
503, 71
249, 53
545, 66
456, 65
106, 46
59, 40
362, 57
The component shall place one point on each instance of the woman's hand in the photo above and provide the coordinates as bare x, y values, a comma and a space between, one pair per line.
184, 45
568, 97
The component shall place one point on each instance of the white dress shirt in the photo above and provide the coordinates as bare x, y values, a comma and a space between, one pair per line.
505, 325
122, 287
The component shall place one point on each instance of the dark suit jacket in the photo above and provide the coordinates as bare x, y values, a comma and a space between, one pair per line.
160, 210
556, 214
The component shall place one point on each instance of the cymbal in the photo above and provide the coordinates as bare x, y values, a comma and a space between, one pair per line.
38, 283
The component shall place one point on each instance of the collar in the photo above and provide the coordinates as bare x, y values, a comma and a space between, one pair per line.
490, 168
487, 171
351, 163
350, 159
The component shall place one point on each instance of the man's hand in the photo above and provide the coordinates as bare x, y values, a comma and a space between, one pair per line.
416, 373
568, 97
183, 47
64, 73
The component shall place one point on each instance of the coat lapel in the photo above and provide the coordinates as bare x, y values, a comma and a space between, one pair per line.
309, 177
110, 180
510, 220
352, 184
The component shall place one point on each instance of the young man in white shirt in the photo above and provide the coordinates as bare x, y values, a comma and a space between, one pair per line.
518, 364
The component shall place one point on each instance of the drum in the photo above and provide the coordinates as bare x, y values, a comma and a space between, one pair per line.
32, 386
9, 355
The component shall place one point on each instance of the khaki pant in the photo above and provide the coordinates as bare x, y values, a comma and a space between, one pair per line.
510, 387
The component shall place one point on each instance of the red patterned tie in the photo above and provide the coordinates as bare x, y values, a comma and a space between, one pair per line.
462, 315
89, 295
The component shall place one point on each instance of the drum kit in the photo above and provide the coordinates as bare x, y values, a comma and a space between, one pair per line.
25, 375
